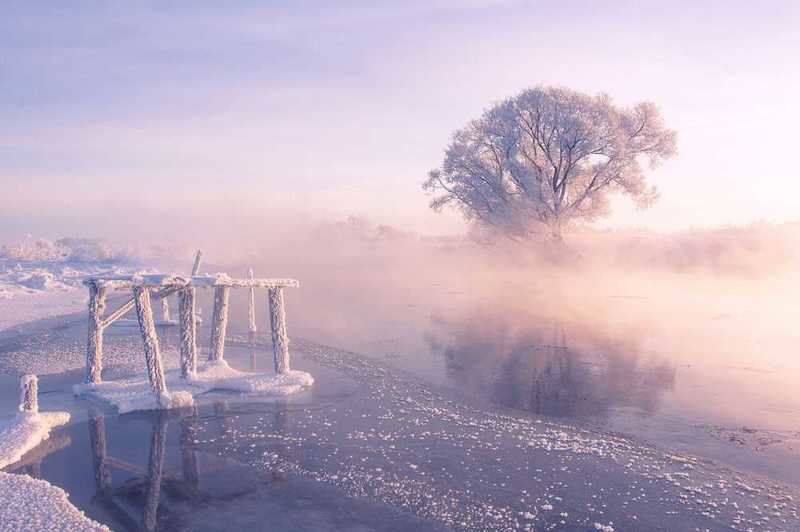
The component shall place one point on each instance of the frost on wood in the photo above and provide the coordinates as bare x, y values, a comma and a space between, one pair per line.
29, 394
252, 302
126, 395
94, 344
188, 332
196, 266
165, 317
219, 323
144, 313
280, 340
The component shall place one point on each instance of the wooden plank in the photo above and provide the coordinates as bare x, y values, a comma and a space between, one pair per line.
176, 282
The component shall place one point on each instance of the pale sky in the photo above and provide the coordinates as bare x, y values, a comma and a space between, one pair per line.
338, 108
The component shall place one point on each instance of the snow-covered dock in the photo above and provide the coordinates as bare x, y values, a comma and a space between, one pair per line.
135, 393
177, 389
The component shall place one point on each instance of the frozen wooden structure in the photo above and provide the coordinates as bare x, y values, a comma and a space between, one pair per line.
145, 288
29, 394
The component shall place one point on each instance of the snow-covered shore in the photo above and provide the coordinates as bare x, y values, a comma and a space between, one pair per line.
36, 290
25, 431
32, 504
29, 503
42, 278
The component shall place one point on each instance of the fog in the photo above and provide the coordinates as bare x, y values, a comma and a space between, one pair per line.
685, 339
464, 310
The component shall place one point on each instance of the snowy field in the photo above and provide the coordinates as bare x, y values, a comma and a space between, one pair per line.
42, 278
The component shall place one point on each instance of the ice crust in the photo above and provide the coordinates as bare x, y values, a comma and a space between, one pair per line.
32, 504
28, 503
136, 394
25, 431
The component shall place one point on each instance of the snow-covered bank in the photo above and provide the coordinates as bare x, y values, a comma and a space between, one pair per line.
34, 290
42, 278
136, 393
26, 431
32, 504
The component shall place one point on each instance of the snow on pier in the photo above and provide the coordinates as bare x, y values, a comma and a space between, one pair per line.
177, 388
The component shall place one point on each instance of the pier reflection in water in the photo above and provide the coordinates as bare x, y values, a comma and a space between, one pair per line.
150, 499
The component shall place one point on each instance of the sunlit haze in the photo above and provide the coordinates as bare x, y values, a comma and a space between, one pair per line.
333, 109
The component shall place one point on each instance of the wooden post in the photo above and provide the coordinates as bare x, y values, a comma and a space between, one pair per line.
29, 394
280, 340
97, 440
251, 338
188, 332
94, 345
165, 317
155, 471
155, 370
252, 308
197, 258
219, 324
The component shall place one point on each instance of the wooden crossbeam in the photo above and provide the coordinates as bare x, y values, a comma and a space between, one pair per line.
128, 305
176, 282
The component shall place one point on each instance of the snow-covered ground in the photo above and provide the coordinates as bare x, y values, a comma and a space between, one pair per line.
32, 504
42, 278
28, 503
25, 431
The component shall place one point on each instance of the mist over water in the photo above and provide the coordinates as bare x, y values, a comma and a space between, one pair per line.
458, 383
685, 340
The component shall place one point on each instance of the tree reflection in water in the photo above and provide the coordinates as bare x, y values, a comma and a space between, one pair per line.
549, 367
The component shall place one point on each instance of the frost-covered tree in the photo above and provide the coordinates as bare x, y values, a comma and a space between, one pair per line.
547, 157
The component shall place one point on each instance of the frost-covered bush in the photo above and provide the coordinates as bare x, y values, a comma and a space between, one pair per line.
63, 250
88, 249
34, 250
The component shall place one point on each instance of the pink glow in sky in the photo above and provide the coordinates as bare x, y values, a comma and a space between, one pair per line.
342, 108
